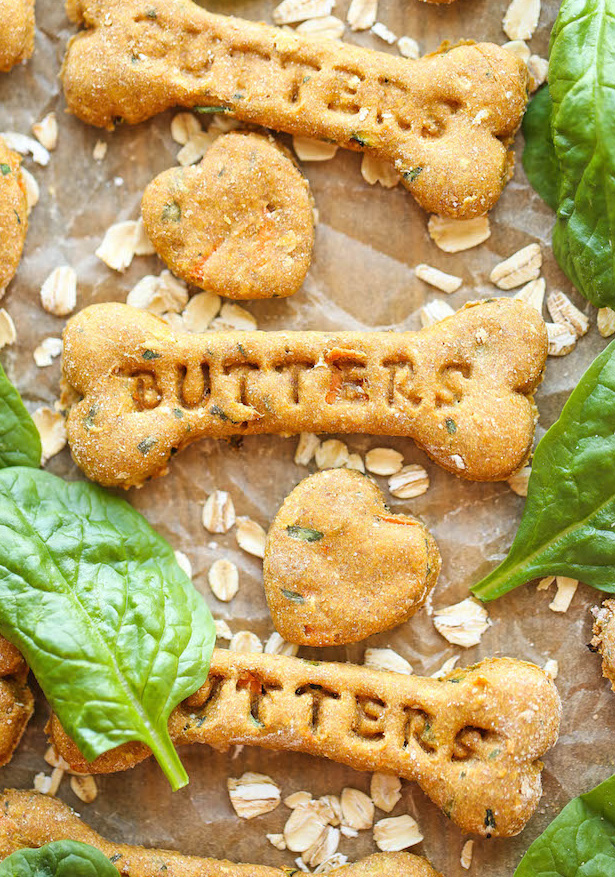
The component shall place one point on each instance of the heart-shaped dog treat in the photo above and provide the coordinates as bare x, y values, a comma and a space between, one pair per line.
339, 566
240, 223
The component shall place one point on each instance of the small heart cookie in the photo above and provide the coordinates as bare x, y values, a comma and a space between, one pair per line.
339, 566
240, 223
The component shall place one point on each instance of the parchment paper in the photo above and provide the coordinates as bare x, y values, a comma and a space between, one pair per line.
368, 241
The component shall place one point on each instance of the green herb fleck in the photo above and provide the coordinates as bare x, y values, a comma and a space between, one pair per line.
411, 175
238, 96
152, 14
451, 426
5, 168
305, 534
494, 754
178, 413
489, 819
88, 420
151, 354
293, 596
219, 412
115, 857
360, 139
147, 444
171, 212
211, 109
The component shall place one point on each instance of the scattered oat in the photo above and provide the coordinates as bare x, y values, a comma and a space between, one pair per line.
233, 318
323, 848
466, 855
455, 235
566, 588
292, 11
375, 170
159, 294
538, 68
223, 578
355, 461
184, 126
606, 322
386, 659
533, 293
8, 333
409, 482
545, 583
46, 131
47, 351
362, 14
49, 785
434, 311
434, 277
396, 833
330, 864
332, 454
277, 841
276, 645
25, 145
521, 19
331, 807
519, 481
382, 31
357, 809
195, 148
183, 561
246, 642
519, 48
385, 791
446, 667
518, 269
52, 430
59, 291
143, 245
562, 339
223, 631
84, 787
307, 446
297, 799
551, 667
200, 311
347, 831
304, 826
329, 27
253, 794
251, 537
33, 191
384, 461
563, 311
100, 150
54, 760
409, 48
462, 623
119, 244
308, 149
218, 512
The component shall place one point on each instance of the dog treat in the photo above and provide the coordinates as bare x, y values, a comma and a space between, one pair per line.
339, 566
446, 122
28, 819
603, 641
16, 32
471, 740
462, 388
16, 700
240, 223
13, 209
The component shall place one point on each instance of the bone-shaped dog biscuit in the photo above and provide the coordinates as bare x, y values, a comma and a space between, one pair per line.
13, 212
16, 32
472, 740
445, 122
462, 389
16, 700
28, 819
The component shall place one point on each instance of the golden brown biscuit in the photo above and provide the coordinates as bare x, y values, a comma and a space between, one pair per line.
13, 212
462, 389
16, 32
339, 566
603, 640
16, 700
28, 819
472, 740
240, 223
446, 122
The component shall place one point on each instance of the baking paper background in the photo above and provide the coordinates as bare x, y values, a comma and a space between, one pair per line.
367, 243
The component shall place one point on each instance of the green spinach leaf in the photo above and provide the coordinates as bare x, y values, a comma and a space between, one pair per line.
568, 524
20, 443
62, 858
93, 597
580, 842
539, 159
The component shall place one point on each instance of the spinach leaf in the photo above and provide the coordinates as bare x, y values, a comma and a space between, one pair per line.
580, 842
20, 443
568, 524
539, 159
93, 597
62, 858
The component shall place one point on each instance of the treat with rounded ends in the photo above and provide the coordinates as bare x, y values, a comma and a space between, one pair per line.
462, 388
603, 640
29, 819
16, 700
339, 566
472, 740
16, 32
13, 212
446, 122
240, 223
